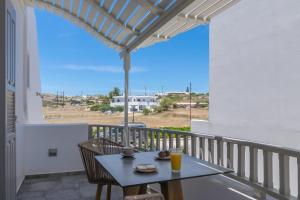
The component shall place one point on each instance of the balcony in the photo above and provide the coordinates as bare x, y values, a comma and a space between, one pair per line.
261, 171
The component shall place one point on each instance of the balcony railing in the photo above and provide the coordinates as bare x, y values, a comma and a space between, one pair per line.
248, 159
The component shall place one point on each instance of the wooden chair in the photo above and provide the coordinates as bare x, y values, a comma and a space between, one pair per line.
96, 174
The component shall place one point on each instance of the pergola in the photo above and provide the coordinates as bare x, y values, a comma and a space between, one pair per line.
127, 25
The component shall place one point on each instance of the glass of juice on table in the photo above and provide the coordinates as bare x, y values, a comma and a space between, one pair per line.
176, 157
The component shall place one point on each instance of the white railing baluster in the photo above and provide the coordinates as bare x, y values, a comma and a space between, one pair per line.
185, 145
110, 134
230, 163
284, 174
140, 139
178, 138
146, 139
157, 140
202, 148
220, 160
194, 145
133, 135
164, 140
241, 160
211, 150
122, 135
253, 164
298, 167
268, 169
152, 140
170, 141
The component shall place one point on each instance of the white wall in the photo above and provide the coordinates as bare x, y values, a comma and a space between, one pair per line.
255, 73
34, 102
40, 137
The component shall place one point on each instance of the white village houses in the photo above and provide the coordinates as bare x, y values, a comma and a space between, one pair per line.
138, 103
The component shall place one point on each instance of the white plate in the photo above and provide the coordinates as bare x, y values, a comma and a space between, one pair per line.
146, 168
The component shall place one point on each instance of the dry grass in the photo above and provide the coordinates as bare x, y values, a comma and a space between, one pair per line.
173, 118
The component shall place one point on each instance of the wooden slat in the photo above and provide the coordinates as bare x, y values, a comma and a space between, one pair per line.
127, 12
253, 164
284, 174
241, 160
92, 15
58, 3
67, 4
75, 7
268, 169
83, 10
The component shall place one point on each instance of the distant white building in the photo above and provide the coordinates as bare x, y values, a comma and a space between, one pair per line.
136, 102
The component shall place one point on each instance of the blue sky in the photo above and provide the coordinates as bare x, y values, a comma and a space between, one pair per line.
74, 61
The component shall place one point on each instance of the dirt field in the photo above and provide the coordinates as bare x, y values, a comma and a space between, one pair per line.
173, 118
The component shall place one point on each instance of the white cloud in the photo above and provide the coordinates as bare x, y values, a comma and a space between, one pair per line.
102, 68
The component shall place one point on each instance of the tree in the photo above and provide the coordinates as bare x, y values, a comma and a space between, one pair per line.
146, 111
187, 89
165, 103
115, 92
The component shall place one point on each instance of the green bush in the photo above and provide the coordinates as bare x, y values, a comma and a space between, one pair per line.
118, 109
146, 111
166, 103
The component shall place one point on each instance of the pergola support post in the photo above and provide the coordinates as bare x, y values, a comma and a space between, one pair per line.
126, 59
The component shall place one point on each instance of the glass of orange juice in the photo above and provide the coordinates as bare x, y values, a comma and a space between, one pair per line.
176, 157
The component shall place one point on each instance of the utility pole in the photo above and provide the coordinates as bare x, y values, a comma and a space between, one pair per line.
145, 91
56, 98
63, 99
190, 104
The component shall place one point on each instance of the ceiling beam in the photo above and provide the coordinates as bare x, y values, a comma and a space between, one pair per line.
112, 17
151, 7
163, 19
191, 19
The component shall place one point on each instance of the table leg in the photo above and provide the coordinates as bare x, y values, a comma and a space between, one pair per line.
172, 190
135, 190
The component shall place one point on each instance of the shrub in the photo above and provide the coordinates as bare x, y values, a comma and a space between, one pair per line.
165, 103
146, 111
118, 109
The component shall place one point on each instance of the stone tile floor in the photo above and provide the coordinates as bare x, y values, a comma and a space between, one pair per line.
76, 187
61, 187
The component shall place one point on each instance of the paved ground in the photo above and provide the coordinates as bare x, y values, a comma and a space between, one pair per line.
76, 187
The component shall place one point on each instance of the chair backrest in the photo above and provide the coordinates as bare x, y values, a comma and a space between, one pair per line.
99, 146
156, 196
